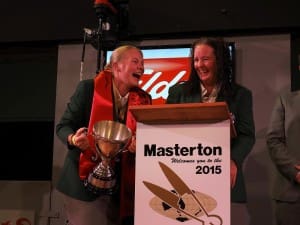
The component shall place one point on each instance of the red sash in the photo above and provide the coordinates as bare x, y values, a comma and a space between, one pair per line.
102, 109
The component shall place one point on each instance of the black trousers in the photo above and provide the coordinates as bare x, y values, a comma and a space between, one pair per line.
287, 213
128, 220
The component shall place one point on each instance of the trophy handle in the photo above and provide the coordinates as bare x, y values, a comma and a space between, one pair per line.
94, 157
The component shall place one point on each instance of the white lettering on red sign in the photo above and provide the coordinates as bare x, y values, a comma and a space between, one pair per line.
160, 74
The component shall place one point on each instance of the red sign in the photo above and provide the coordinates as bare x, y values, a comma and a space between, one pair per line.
162, 73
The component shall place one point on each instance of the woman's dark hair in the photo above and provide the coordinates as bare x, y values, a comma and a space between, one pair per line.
223, 61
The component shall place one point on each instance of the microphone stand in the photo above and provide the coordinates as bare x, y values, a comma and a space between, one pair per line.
100, 40
82, 56
104, 11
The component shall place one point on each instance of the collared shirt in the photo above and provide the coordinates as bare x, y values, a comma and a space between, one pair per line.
121, 103
213, 95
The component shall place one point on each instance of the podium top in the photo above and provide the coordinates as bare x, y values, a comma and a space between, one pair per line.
183, 113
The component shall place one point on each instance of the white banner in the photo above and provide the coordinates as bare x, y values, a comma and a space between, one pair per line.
16, 217
183, 174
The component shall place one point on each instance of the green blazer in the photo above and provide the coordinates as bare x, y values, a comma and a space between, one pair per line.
76, 115
283, 141
241, 108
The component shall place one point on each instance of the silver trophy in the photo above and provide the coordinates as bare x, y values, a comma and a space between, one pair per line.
111, 138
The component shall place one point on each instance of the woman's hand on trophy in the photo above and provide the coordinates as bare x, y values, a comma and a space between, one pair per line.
80, 139
132, 145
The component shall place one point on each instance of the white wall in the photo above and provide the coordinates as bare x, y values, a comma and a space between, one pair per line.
26, 195
68, 76
263, 65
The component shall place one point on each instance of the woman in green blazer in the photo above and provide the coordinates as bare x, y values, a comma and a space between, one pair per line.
112, 91
211, 80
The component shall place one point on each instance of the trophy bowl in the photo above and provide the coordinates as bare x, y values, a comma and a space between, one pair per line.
110, 138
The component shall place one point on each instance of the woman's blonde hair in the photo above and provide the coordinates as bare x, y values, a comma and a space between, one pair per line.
118, 53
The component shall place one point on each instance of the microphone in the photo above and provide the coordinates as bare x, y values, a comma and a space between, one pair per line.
91, 36
90, 32
104, 8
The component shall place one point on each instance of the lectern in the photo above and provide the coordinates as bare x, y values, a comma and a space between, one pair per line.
183, 163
